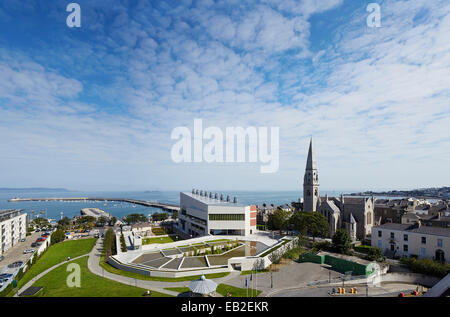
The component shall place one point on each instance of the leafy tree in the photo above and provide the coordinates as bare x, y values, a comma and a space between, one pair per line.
279, 220
101, 221
317, 225
341, 241
57, 236
112, 221
135, 218
299, 221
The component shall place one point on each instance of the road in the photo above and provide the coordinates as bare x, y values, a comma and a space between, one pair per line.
16, 252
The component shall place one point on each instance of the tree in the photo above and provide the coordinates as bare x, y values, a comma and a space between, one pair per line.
135, 218
112, 221
375, 254
101, 221
57, 236
317, 225
299, 222
279, 220
341, 241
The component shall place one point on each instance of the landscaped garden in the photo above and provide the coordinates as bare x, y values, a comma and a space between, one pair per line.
167, 239
54, 284
55, 254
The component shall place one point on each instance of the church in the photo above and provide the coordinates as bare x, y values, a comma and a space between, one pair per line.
354, 214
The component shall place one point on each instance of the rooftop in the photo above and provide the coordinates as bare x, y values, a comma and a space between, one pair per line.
214, 202
437, 231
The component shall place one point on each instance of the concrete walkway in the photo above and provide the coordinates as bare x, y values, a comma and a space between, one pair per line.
37, 277
94, 267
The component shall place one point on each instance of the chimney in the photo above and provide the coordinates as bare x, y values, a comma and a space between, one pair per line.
210, 194
216, 196
228, 198
235, 200
221, 197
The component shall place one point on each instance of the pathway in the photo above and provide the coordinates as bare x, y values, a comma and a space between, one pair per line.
94, 267
37, 277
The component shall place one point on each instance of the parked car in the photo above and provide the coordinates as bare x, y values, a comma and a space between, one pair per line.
34, 244
22, 240
28, 251
15, 264
37, 230
2, 258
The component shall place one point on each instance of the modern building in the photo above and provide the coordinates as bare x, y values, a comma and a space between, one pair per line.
400, 240
204, 213
13, 228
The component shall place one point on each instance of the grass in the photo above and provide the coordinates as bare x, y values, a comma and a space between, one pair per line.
224, 289
219, 240
55, 254
54, 285
168, 239
274, 248
138, 276
178, 289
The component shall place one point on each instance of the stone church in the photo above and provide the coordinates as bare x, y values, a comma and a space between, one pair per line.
354, 214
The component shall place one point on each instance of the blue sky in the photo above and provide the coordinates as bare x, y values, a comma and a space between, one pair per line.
93, 107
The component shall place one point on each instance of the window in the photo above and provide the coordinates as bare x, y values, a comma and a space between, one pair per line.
405, 237
424, 240
423, 252
405, 248
380, 233
226, 217
392, 235
439, 243
380, 245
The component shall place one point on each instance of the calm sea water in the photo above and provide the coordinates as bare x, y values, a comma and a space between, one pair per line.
54, 209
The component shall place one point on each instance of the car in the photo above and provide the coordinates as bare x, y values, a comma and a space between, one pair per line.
37, 230
22, 240
34, 244
28, 251
44, 236
2, 258
15, 264
96, 235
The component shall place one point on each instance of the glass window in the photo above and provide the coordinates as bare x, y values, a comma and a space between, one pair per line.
424, 240
380, 245
392, 235
379, 233
405, 237
405, 248
423, 252
439, 243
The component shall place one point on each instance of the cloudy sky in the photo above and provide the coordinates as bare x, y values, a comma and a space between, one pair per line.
93, 108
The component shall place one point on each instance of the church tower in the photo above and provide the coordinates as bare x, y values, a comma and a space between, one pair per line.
311, 183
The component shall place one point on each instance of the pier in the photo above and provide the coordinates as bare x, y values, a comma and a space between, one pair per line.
163, 206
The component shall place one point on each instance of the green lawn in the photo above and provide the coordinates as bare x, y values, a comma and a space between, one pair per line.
168, 239
91, 285
178, 289
138, 276
224, 289
55, 254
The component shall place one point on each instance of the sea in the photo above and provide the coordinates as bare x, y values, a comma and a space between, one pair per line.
58, 209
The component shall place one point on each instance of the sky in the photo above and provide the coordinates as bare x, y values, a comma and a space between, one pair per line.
93, 108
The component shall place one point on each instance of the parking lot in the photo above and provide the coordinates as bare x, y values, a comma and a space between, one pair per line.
16, 252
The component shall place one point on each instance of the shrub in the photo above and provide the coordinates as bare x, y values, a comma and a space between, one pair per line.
123, 245
427, 266
57, 236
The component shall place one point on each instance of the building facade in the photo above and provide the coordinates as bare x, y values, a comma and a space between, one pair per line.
396, 239
356, 215
204, 213
13, 228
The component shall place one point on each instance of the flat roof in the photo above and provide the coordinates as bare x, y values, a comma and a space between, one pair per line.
214, 202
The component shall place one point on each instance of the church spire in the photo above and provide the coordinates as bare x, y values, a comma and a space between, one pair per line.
311, 161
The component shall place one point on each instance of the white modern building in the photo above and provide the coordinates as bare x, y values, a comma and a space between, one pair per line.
203, 213
13, 228
396, 239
